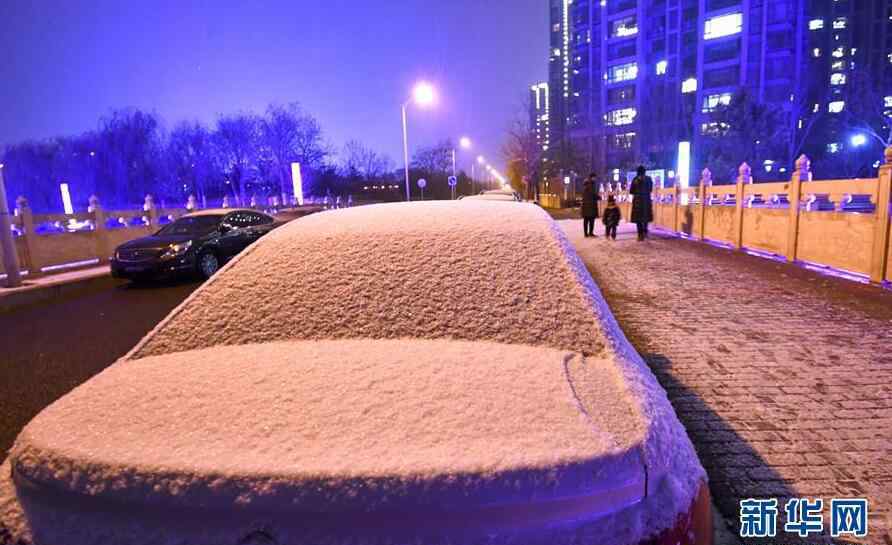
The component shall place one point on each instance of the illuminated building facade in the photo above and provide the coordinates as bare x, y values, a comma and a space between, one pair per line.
633, 79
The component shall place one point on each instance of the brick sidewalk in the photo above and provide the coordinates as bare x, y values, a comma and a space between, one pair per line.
782, 376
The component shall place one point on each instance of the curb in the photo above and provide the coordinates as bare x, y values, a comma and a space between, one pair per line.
49, 289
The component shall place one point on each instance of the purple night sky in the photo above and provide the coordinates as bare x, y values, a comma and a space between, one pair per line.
349, 62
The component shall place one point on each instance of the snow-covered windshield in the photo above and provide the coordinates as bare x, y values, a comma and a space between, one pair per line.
194, 225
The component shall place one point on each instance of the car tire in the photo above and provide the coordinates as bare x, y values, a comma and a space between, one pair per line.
208, 264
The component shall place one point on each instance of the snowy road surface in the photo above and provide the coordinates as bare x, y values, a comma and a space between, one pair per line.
780, 375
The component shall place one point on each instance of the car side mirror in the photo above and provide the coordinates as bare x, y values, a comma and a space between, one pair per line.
225, 228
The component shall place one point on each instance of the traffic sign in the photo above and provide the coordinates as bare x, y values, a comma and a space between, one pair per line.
453, 181
422, 183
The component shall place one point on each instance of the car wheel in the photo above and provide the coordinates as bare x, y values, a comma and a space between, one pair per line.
208, 264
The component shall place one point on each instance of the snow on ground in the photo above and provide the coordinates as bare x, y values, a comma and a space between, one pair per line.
433, 418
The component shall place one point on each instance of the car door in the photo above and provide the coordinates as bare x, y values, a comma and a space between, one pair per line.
259, 225
234, 239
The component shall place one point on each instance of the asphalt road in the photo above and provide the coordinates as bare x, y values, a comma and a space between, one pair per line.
49, 348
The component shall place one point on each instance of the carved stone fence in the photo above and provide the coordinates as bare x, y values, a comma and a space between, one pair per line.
841, 224
52, 242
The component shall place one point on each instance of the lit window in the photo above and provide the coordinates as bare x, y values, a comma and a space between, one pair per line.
836, 107
624, 116
622, 72
838, 65
834, 147
816, 24
662, 66
817, 108
711, 102
716, 128
556, 27
556, 52
888, 102
839, 23
723, 25
839, 53
624, 27
816, 52
837, 79
689, 85
623, 141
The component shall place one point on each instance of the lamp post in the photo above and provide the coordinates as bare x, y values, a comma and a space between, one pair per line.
423, 94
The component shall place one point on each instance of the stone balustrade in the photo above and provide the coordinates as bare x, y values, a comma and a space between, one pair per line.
841, 224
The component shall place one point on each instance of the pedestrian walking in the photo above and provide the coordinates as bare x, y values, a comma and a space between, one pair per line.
590, 198
611, 218
642, 203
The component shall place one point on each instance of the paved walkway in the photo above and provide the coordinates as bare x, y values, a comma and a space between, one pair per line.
782, 376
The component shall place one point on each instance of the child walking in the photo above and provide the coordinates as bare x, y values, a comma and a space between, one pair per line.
611, 218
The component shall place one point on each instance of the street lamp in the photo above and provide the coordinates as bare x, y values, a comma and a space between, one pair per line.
859, 140
423, 94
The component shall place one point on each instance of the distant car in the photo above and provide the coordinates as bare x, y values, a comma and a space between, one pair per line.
496, 195
385, 374
197, 243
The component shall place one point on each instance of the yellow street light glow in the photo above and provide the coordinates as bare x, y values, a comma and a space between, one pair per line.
465, 142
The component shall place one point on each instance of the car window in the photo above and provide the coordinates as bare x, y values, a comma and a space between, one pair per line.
239, 219
260, 219
192, 225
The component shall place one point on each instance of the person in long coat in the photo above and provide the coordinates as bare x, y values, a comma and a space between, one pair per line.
642, 203
590, 198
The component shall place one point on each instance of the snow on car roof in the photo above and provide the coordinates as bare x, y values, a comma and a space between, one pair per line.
165, 427
475, 271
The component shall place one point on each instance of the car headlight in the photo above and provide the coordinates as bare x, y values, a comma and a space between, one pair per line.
176, 250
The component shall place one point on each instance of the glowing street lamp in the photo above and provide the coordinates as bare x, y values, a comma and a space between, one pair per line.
465, 142
859, 140
423, 94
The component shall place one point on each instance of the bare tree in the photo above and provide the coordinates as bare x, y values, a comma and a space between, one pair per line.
191, 158
522, 152
434, 160
360, 162
238, 140
290, 135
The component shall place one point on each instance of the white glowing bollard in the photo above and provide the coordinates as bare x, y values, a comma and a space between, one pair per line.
66, 198
297, 182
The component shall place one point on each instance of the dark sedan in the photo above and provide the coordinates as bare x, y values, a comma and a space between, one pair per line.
199, 242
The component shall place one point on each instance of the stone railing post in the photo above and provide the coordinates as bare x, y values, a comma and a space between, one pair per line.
151, 212
225, 201
744, 178
32, 257
802, 173
879, 265
7, 243
705, 182
191, 204
100, 233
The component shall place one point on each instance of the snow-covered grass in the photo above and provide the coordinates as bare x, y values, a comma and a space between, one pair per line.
391, 359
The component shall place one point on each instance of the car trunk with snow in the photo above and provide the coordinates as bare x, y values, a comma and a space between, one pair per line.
436, 372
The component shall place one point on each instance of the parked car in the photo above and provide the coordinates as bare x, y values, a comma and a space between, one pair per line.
394, 373
496, 195
197, 243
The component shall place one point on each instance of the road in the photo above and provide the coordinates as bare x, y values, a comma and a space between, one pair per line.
51, 347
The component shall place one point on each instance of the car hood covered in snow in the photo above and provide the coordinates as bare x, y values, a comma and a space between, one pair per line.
426, 366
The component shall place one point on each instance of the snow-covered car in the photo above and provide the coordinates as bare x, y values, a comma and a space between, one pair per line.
431, 373
495, 195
